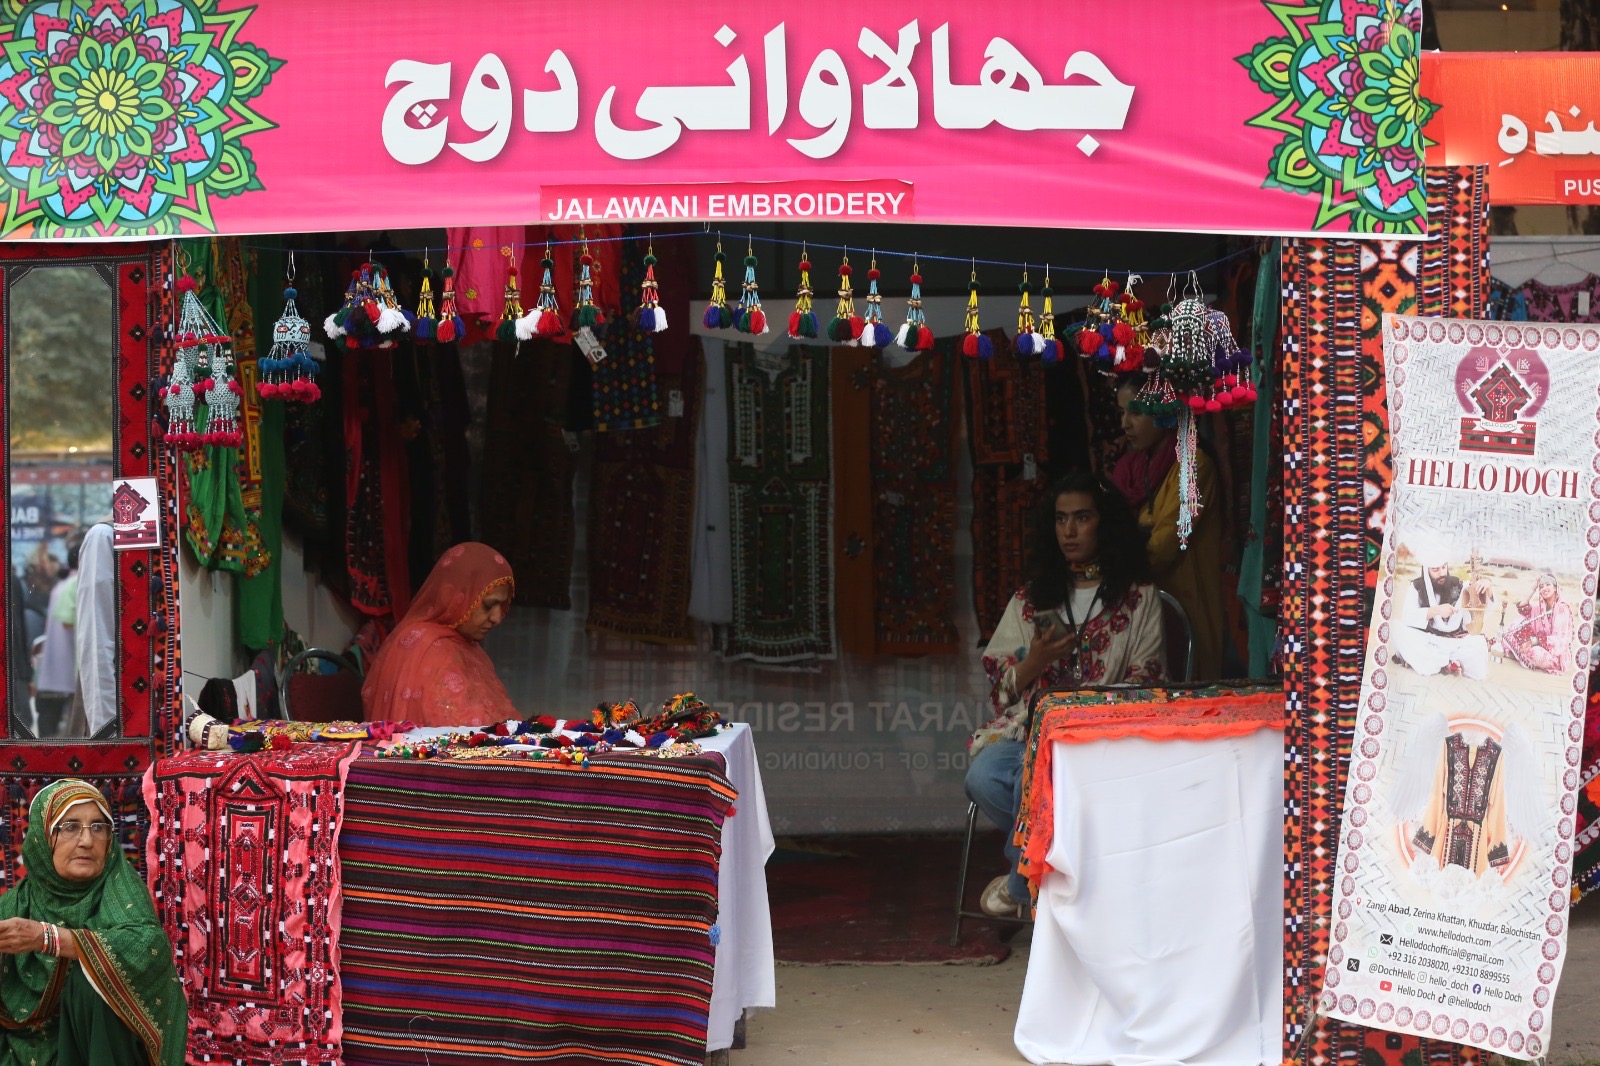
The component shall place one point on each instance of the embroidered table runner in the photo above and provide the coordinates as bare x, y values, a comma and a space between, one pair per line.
503, 910
1207, 713
242, 860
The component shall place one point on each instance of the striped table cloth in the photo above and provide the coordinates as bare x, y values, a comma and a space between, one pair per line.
502, 911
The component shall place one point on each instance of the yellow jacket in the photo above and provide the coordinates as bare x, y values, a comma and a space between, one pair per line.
1194, 574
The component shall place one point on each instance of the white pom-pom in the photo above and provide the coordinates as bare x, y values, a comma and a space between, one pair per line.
661, 319
528, 325
390, 319
1038, 343
334, 332
867, 340
900, 338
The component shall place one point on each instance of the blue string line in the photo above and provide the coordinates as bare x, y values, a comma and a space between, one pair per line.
875, 253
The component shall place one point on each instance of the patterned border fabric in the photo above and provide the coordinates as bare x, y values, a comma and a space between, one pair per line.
1336, 472
246, 883
518, 911
780, 451
1010, 437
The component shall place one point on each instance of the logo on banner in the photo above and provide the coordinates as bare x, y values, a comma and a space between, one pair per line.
1501, 400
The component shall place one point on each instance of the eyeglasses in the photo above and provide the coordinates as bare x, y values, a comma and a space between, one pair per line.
74, 828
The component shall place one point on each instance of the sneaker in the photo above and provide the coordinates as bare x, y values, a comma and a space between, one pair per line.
996, 901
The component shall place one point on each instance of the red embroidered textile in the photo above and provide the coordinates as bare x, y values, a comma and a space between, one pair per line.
428, 672
1079, 717
243, 854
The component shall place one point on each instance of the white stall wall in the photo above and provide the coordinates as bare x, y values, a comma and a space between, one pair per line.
1550, 260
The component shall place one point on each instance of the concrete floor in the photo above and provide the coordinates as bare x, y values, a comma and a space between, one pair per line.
934, 1015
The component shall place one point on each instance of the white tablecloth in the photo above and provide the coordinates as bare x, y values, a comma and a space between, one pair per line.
745, 974
1158, 933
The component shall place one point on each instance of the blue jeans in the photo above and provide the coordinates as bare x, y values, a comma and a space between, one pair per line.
994, 783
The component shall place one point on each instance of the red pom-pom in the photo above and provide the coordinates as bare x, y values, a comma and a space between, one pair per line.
445, 331
924, 339
511, 271
161, 393
857, 325
1122, 333
805, 264
1224, 399
1213, 406
233, 387
586, 259
371, 308
916, 279
1088, 341
873, 274
1197, 404
281, 742
184, 284
794, 323
969, 345
355, 275
758, 321
844, 270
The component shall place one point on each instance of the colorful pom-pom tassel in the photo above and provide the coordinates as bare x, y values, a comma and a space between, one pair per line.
652, 318
717, 315
750, 319
846, 326
803, 320
975, 345
911, 333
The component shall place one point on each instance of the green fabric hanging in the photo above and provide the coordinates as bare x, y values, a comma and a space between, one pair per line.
1261, 629
214, 518
260, 599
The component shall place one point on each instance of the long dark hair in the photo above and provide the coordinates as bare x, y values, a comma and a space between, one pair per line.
1120, 538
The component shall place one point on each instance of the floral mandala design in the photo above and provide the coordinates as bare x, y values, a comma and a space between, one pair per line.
1345, 81
121, 117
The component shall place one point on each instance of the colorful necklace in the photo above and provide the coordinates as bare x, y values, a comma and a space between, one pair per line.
1085, 571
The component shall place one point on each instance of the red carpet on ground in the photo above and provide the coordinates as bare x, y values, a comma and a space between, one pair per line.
881, 900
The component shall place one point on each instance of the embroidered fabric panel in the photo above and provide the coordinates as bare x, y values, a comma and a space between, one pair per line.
625, 387
247, 886
463, 943
1337, 469
780, 461
641, 521
1010, 436
914, 504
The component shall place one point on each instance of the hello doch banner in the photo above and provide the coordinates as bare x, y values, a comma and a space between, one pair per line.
128, 118
1456, 840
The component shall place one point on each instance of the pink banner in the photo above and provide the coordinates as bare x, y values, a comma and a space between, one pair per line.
134, 117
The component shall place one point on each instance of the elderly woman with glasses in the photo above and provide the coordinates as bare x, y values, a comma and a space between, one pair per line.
86, 972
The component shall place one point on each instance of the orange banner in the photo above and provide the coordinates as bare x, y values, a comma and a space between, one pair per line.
1529, 117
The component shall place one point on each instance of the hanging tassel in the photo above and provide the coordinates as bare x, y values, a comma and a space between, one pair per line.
652, 319
914, 335
392, 318
425, 323
450, 327
975, 344
288, 371
1028, 342
545, 318
586, 314
846, 326
802, 320
874, 334
751, 318
512, 328
1050, 348
1189, 502
199, 344
717, 315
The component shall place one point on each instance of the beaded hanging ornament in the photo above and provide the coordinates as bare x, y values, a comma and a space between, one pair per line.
750, 318
975, 344
846, 326
651, 317
874, 334
717, 315
914, 335
586, 313
544, 319
202, 374
1029, 341
1104, 337
513, 325
370, 314
288, 371
1230, 363
1050, 350
425, 322
803, 320
451, 326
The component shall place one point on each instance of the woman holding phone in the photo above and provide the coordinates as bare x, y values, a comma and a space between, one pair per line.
1087, 616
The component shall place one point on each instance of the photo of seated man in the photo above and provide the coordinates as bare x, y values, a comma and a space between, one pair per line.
1434, 635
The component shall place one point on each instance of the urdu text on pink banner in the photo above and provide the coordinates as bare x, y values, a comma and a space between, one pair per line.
1243, 116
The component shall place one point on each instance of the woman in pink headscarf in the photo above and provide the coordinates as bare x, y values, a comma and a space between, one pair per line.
1542, 640
433, 670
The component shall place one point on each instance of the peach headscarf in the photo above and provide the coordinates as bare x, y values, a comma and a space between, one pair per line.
427, 672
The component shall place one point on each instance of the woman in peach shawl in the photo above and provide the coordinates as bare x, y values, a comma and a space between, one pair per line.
432, 670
